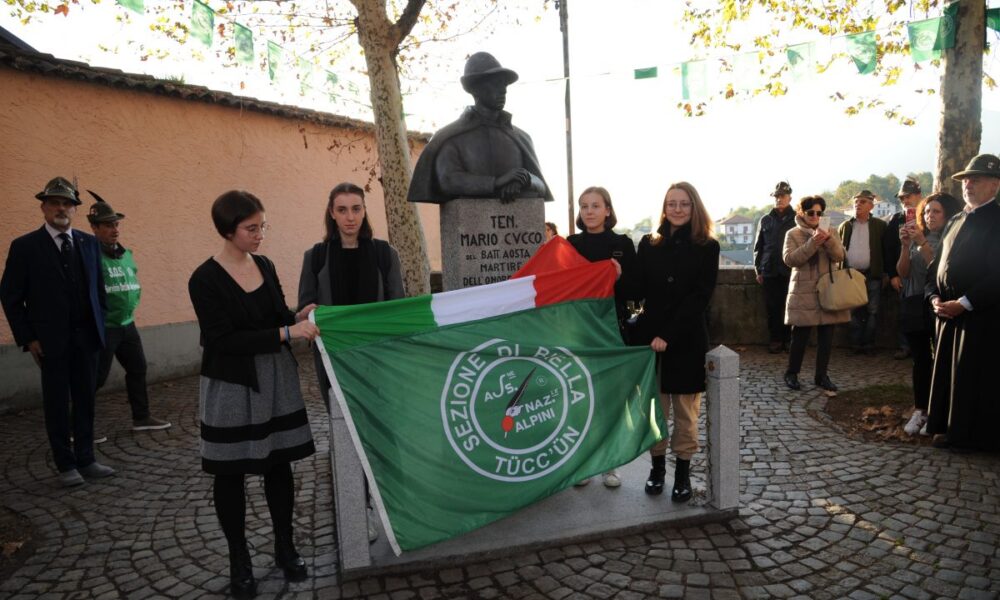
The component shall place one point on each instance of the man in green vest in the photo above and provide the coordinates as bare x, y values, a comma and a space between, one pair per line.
121, 283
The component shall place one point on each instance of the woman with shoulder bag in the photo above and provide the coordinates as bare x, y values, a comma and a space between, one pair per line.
811, 253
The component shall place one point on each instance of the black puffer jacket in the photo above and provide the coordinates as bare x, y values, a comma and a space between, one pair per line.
770, 240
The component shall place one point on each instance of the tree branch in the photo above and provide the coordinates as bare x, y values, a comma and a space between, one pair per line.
408, 19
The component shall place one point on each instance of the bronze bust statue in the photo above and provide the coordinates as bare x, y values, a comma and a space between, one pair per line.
481, 155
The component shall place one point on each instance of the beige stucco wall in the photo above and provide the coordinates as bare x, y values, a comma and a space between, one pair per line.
162, 161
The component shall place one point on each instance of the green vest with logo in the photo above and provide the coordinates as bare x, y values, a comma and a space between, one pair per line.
121, 282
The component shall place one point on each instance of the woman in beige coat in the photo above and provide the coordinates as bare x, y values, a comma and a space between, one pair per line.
810, 252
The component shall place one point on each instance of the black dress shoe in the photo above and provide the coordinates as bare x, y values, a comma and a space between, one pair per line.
242, 585
682, 481
288, 558
774, 348
654, 485
825, 383
792, 381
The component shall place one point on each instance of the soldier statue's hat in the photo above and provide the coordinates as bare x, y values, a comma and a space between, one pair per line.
60, 187
101, 211
482, 65
987, 165
782, 189
909, 186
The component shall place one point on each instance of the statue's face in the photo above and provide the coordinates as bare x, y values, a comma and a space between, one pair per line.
490, 92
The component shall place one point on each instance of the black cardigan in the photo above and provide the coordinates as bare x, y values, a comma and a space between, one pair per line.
228, 342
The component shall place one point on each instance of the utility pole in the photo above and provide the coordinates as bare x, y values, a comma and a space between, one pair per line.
564, 28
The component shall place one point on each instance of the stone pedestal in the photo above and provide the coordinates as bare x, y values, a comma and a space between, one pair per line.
485, 241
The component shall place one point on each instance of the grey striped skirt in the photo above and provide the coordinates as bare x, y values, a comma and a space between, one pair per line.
243, 431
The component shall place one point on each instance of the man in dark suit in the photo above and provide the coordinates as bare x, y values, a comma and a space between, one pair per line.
53, 295
963, 287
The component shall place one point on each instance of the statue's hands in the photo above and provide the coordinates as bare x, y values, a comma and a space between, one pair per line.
512, 182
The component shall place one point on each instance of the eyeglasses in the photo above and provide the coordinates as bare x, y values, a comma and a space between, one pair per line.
678, 206
814, 213
257, 229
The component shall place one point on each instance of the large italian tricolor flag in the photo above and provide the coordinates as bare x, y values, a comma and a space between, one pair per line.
468, 405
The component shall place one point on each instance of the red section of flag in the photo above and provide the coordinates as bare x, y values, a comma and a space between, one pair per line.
591, 280
554, 255
561, 274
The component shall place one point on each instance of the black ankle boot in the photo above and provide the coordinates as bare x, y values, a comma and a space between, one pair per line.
654, 485
242, 585
682, 481
287, 557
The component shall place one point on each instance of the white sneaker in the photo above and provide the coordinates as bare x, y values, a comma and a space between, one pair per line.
582, 482
372, 529
611, 479
916, 422
923, 430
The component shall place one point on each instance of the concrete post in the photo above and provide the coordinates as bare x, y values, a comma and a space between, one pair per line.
722, 370
348, 494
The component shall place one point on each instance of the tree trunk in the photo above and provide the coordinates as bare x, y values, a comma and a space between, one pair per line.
380, 39
961, 128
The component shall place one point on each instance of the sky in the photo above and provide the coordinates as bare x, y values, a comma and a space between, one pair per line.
628, 135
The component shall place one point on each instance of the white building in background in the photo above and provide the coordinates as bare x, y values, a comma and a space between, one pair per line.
737, 229
886, 208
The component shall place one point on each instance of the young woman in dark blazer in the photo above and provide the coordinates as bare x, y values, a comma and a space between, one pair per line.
596, 241
253, 418
677, 270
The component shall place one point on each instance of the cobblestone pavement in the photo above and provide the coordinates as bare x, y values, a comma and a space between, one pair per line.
822, 516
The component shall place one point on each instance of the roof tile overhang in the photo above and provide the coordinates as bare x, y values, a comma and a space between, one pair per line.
26, 60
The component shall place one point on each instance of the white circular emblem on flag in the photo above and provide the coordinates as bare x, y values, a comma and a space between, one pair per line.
515, 412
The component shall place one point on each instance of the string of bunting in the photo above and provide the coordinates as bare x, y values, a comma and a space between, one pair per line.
202, 29
928, 38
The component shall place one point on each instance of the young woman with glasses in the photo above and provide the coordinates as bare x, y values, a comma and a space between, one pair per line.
253, 417
677, 269
811, 252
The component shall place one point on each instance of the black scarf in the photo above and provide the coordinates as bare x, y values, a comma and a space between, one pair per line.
365, 288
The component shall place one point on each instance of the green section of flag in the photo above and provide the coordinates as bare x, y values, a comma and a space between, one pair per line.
134, 5
202, 23
993, 19
931, 37
244, 44
647, 73
802, 60
349, 326
862, 49
463, 425
274, 53
694, 80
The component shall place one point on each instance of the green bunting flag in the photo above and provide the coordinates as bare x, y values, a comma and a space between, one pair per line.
802, 60
331, 86
993, 19
274, 53
305, 75
929, 38
244, 44
694, 80
202, 23
863, 51
133, 5
469, 405
647, 73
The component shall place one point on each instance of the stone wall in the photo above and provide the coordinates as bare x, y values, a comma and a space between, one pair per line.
737, 313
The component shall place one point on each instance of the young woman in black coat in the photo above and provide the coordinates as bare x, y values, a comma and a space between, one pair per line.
677, 269
596, 241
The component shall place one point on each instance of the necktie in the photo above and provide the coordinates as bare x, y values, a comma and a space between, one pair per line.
66, 251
